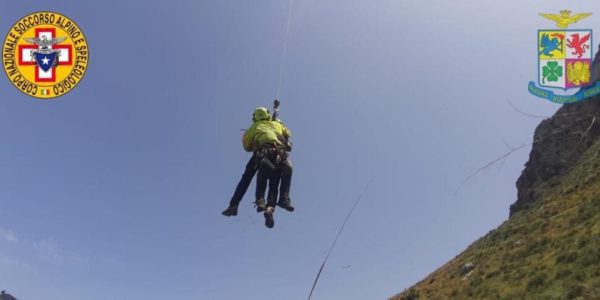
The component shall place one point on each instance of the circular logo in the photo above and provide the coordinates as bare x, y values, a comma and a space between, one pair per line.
45, 55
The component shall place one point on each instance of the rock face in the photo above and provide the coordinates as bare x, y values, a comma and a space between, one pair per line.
5, 296
466, 268
558, 144
549, 247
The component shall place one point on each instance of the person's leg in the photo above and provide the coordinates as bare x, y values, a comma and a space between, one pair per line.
269, 220
284, 190
261, 187
274, 179
242, 187
273, 175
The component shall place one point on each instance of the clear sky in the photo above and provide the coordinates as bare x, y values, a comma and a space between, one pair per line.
115, 191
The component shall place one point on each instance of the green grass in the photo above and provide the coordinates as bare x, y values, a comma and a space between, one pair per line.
548, 251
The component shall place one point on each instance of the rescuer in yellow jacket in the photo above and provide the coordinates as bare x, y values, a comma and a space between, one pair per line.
265, 131
269, 141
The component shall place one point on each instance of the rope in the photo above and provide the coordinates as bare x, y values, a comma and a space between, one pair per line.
285, 44
337, 237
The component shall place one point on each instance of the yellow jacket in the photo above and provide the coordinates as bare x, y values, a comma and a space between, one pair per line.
264, 132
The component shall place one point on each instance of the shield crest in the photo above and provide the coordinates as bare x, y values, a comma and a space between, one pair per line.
564, 58
45, 60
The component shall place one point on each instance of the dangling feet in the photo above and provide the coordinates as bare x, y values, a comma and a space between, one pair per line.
230, 211
260, 205
269, 221
286, 204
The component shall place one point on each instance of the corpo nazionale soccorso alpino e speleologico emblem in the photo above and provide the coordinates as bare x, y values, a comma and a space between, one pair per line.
45, 55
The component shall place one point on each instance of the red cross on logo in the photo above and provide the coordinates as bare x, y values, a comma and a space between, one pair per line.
26, 59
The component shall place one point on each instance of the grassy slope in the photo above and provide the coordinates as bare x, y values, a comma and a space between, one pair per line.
551, 251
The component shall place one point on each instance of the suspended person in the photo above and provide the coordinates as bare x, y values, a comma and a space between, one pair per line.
275, 167
251, 168
267, 139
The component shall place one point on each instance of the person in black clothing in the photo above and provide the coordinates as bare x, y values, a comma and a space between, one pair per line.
283, 172
242, 187
279, 181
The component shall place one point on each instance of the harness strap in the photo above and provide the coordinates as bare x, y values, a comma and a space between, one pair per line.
273, 153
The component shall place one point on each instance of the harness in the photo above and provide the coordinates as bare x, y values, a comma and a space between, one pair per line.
271, 155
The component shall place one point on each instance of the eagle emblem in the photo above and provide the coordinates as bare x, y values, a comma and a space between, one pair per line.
564, 19
45, 57
564, 61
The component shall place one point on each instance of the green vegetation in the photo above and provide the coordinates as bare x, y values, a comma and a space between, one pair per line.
549, 251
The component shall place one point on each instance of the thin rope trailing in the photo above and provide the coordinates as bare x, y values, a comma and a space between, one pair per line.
524, 113
513, 150
285, 44
312, 289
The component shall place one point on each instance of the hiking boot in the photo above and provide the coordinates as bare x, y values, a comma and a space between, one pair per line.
286, 204
269, 221
230, 211
260, 205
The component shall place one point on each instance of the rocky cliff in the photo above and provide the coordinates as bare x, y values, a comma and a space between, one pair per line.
559, 143
549, 248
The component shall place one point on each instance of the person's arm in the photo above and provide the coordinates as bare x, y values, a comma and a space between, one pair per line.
247, 139
286, 134
286, 131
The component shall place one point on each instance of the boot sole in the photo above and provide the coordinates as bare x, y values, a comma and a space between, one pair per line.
288, 208
269, 221
229, 214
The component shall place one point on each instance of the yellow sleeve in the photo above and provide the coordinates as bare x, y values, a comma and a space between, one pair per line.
286, 131
247, 139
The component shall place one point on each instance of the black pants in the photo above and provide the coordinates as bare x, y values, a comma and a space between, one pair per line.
283, 174
286, 180
242, 186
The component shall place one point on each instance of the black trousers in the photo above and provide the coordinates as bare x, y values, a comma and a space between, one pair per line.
286, 180
283, 174
242, 186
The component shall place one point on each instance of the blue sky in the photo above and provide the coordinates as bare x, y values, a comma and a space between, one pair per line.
114, 191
